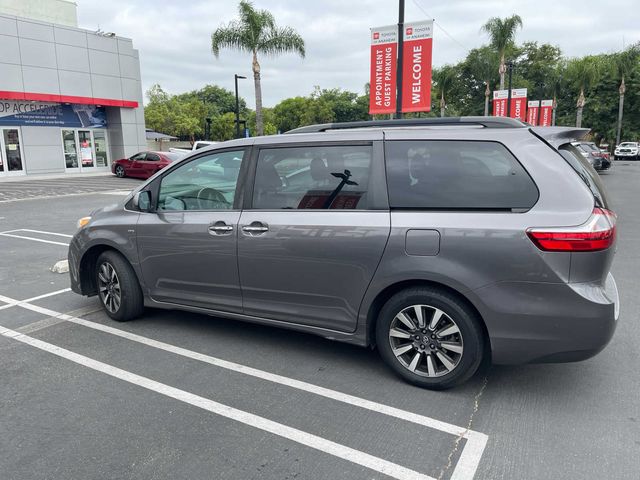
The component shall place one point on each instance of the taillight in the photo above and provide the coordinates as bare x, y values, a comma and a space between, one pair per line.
597, 233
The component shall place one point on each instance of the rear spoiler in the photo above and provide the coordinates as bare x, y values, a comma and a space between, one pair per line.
556, 136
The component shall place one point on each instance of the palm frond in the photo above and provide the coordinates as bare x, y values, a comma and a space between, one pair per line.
281, 40
234, 36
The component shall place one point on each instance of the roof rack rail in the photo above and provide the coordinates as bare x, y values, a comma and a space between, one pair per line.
486, 122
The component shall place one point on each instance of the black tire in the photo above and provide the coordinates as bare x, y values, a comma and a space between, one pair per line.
120, 172
131, 302
456, 312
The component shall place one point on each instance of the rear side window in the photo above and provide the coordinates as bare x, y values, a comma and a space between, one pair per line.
456, 175
586, 172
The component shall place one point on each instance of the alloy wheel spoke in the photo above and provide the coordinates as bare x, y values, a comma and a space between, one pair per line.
451, 346
414, 362
419, 316
450, 330
102, 278
435, 319
446, 361
397, 333
406, 320
401, 350
431, 368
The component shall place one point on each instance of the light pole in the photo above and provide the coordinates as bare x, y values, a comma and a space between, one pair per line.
236, 77
510, 68
400, 58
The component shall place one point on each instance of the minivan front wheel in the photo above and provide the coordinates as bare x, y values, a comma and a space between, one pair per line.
429, 337
118, 287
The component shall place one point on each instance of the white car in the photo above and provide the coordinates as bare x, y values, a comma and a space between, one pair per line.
627, 150
196, 146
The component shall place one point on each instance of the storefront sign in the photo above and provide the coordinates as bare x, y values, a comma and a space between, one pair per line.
519, 103
500, 103
416, 68
533, 106
16, 113
546, 112
384, 51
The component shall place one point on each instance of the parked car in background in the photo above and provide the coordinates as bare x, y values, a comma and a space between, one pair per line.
196, 146
606, 157
627, 151
143, 164
591, 153
487, 240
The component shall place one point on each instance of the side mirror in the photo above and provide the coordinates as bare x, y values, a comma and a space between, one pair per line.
142, 201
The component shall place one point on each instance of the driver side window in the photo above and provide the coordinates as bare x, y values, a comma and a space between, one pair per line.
206, 183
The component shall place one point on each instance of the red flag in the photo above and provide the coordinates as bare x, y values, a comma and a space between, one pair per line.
382, 86
546, 111
500, 103
532, 111
519, 103
416, 68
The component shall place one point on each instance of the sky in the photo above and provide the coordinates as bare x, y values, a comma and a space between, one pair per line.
174, 37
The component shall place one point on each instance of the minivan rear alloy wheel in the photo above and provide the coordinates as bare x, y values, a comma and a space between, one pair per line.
118, 287
430, 337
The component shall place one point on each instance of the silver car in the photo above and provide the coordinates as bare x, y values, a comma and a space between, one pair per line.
444, 243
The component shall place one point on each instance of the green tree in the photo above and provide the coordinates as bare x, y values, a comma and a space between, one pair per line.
256, 32
479, 68
623, 63
444, 78
583, 73
223, 127
288, 114
502, 32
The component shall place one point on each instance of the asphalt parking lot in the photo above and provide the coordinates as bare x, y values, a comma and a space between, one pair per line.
174, 395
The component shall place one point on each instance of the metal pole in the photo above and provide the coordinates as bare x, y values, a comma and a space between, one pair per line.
510, 68
235, 78
400, 58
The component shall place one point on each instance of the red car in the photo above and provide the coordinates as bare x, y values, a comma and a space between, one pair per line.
143, 164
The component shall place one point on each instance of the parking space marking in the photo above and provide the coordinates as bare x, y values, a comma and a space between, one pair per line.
40, 231
299, 436
10, 302
475, 441
34, 239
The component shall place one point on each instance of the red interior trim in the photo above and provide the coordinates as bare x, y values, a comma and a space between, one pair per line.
47, 97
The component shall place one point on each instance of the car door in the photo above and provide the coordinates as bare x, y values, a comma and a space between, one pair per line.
151, 164
137, 165
187, 247
312, 233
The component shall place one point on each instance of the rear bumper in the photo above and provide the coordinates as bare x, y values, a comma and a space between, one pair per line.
543, 322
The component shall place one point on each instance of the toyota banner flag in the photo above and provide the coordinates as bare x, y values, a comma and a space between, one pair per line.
546, 111
533, 107
384, 53
416, 67
500, 103
519, 103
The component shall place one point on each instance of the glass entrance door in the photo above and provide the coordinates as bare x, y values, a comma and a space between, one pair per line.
70, 150
11, 158
85, 142
85, 150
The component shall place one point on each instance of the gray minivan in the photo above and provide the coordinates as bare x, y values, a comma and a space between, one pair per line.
442, 242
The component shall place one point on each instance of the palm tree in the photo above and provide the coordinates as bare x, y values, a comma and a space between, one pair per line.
256, 32
582, 73
481, 64
623, 63
502, 32
443, 79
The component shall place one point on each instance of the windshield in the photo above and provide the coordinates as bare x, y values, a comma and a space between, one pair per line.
628, 144
586, 172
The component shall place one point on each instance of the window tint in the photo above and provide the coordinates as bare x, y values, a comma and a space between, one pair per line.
586, 172
206, 183
313, 177
152, 157
138, 156
456, 175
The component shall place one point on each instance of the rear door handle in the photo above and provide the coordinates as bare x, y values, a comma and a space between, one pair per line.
220, 228
255, 228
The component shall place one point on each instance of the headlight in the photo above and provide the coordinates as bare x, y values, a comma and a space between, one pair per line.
83, 222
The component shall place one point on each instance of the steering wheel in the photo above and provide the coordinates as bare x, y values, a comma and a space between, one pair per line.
207, 196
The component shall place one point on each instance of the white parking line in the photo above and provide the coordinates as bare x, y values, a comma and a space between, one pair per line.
12, 303
304, 438
475, 441
40, 231
34, 239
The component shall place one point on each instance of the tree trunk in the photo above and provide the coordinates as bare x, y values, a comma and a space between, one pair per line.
554, 107
501, 71
443, 104
258, 87
622, 89
487, 92
580, 106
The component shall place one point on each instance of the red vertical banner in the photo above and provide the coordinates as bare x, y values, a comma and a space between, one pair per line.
532, 112
416, 68
500, 103
384, 60
519, 103
546, 111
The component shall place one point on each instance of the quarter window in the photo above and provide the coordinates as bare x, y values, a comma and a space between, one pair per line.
206, 183
314, 177
456, 175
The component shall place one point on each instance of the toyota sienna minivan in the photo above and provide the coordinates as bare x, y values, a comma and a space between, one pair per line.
443, 243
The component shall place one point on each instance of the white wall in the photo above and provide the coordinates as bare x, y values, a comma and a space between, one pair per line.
61, 12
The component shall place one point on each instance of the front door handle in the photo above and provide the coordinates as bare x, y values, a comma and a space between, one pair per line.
220, 228
255, 228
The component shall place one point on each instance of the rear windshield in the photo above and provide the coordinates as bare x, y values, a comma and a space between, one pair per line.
586, 172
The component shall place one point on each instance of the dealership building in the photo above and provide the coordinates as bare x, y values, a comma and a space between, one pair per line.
70, 99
